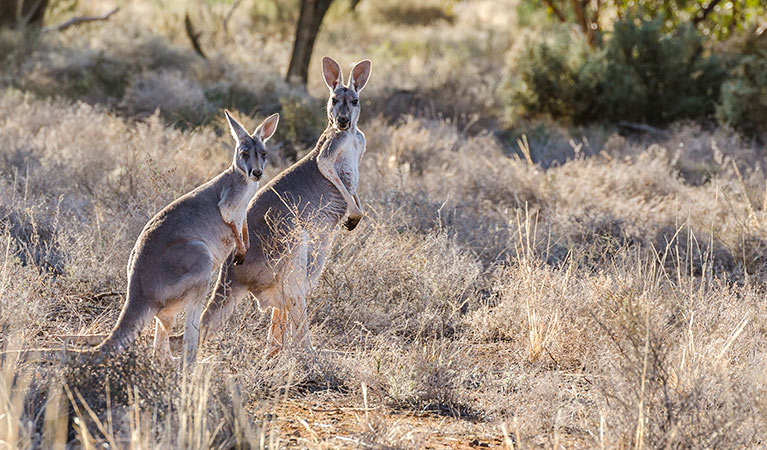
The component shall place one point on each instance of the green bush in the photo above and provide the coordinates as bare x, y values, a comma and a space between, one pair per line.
666, 77
550, 84
302, 121
641, 75
744, 94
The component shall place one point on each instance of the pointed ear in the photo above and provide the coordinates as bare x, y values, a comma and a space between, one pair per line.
331, 73
360, 74
238, 132
267, 128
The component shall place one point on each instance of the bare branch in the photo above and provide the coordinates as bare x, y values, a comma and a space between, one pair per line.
194, 36
32, 12
583, 22
706, 11
643, 128
229, 15
557, 12
101, 295
80, 20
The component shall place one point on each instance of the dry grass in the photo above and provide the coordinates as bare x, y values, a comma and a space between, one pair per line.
589, 289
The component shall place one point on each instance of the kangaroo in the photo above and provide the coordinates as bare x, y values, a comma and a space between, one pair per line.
170, 265
293, 221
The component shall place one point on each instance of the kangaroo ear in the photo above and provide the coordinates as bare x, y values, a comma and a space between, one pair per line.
238, 132
360, 74
331, 72
267, 127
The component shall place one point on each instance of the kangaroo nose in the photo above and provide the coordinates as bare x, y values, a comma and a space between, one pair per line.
343, 121
256, 173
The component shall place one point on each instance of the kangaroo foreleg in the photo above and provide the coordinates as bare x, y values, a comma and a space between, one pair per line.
328, 170
326, 163
240, 248
245, 235
351, 222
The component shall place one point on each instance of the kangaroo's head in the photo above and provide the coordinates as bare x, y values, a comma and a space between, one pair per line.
250, 152
344, 101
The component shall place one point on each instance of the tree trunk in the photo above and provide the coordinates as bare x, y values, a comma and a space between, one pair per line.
20, 13
309, 21
583, 22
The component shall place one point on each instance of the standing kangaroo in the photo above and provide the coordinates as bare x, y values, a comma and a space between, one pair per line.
294, 218
170, 265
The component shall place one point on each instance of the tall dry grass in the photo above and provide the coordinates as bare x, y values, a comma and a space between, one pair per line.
606, 300
573, 287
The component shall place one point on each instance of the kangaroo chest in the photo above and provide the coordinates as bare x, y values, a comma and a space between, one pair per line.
347, 164
233, 206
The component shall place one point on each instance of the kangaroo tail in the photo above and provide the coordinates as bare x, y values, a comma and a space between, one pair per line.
135, 316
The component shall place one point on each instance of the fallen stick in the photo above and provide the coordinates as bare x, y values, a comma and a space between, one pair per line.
194, 36
79, 20
642, 128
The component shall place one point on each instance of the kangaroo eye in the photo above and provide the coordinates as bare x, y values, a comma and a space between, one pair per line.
244, 155
335, 100
355, 102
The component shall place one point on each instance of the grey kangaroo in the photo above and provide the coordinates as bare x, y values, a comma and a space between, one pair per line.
293, 221
170, 265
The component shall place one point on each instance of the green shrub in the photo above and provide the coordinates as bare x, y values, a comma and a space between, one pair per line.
744, 95
549, 75
664, 77
641, 75
224, 94
416, 14
15, 46
303, 120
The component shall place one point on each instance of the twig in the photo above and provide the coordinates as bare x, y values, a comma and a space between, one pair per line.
194, 36
32, 11
642, 127
229, 15
78, 20
555, 10
101, 295
706, 11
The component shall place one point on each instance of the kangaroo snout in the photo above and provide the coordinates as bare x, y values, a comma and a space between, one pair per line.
256, 173
343, 122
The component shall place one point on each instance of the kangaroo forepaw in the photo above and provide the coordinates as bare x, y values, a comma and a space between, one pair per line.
239, 258
351, 222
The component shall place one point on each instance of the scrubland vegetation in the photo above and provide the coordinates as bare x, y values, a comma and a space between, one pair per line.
529, 273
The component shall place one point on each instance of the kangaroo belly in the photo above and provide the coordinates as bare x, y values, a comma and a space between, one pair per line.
347, 168
349, 176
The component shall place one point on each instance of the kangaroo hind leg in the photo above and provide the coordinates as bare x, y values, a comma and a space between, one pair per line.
193, 311
188, 291
295, 289
272, 297
164, 319
276, 335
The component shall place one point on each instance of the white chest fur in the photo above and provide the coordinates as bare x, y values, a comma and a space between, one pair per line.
233, 209
347, 164
234, 202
